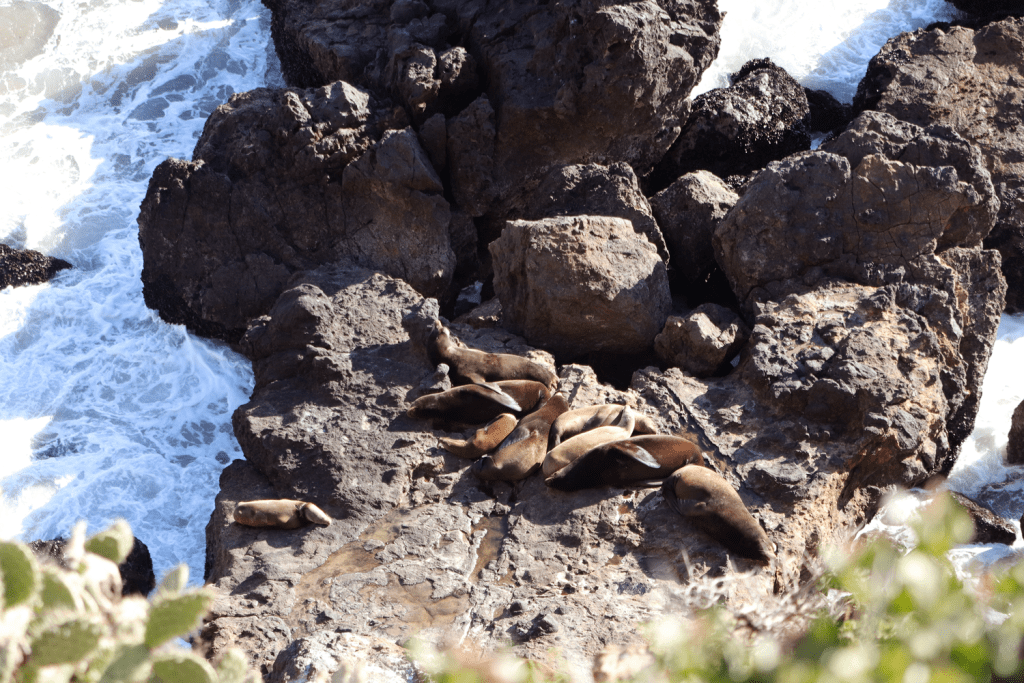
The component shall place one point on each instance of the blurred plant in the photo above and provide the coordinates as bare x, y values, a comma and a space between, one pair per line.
62, 625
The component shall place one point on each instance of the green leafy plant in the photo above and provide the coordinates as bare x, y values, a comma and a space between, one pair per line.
63, 625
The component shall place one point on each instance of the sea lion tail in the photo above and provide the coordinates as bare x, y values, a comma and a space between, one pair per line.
500, 396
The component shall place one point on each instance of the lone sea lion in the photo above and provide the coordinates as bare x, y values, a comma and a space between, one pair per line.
279, 514
478, 403
570, 449
582, 420
624, 463
485, 440
473, 366
522, 451
706, 498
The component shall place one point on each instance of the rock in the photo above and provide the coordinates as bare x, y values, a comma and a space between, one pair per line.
580, 284
826, 112
282, 182
880, 195
761, 117
136, 571
703, 341
325, 652
688, 212
988, 526
27, 267
987, 7
25, 28
1015, 443
969, 81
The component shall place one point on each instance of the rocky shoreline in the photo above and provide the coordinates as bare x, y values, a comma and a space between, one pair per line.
819, 322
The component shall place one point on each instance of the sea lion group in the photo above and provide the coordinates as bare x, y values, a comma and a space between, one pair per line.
529, 427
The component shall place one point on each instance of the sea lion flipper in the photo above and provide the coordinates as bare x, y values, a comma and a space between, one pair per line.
314, 514
641, 455
517, 435
500, 396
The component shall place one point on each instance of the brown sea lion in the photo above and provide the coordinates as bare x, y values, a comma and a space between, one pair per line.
485, 440
478, 403
626, 463
522, 451
704, 497
581, 420
279, 514
570, 449
473, 366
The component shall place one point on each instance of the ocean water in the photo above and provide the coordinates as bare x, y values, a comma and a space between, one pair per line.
105, 410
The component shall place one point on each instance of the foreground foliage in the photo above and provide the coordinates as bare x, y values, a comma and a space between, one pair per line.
61, 625
907, 619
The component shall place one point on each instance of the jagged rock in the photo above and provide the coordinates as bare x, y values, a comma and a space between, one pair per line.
586, 82
281, 182
587, 189
899, 193
987, 7
688, 211
970, 81
826, 112
27, 267
703, 341
24, 29
761, 117
1015, 445
581, 284
326, 652
988, 526
136, 571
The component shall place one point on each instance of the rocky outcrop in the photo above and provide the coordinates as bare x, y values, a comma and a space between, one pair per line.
24, 29
703, 341
988, 526
282, 182
137, 577
1015, 444
987, 7
27, 267
969, 81
881, 195
761, 117
581, 284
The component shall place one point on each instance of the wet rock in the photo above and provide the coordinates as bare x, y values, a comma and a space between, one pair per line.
688, 211
580, 284
282, 182
137, 577
1015, 444
987, 7
703, 341
988, 526
880, 195
970, 81
27, 267
826, 112
761, 117
25, 27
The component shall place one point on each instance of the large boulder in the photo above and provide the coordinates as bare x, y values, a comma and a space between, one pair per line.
581, 284
880, 195
284, 181
27, 267
1015, 444
702, 341
967, 80
762, 116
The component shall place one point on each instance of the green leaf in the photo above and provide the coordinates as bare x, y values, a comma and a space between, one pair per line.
182, 667
20, 573
66, 642
130, 665
55, 592
174, 616
233, 667
175, 581
114, 543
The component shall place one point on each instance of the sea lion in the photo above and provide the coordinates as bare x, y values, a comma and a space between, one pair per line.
477, 403
485, 440
522, 451
570, 449
581, 420
279, 514
626, 463
473, 366
704, 497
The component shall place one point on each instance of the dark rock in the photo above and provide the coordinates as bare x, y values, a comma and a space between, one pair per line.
281, 182
581, 284
761, 117
703, 341
988, 526
826, 112
1015, 444
969, 81
987, 7
25, 27
27, 267
136, 571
